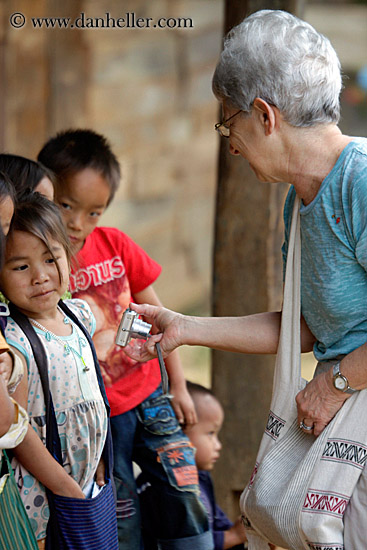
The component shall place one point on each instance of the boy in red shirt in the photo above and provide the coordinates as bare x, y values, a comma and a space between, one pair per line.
109, 271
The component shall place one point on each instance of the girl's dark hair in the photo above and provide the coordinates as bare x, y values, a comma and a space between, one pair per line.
2, 247
25, 174
6, 187
40, 217
72, 151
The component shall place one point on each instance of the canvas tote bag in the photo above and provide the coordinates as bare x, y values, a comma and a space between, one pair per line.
299, 495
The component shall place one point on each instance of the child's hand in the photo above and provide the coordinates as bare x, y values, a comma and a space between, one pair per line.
183, 405
101, 473
235, 535
6, 366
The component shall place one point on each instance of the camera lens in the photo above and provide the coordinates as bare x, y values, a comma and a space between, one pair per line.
140, 329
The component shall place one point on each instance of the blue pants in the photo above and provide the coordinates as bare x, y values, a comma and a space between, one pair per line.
172, 513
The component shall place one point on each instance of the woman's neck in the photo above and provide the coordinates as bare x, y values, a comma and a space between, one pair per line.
312, 158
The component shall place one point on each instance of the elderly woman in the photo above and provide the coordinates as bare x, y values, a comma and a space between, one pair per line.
279, 81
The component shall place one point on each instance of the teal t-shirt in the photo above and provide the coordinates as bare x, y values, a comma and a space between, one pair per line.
334, 255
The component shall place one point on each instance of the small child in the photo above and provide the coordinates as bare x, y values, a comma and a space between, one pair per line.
204, 437
109, 272
27, 176
33, 278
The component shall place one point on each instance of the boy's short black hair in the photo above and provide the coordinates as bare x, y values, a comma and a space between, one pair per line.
198, 389
71, 151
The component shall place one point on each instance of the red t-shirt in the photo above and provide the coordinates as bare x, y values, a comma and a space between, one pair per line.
106, 273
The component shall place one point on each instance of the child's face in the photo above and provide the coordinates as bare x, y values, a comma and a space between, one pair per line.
30, 278
6, 213
45, 188
82, 200
204, 434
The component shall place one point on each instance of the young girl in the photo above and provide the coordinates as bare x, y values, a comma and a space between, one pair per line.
18, 435
34, 277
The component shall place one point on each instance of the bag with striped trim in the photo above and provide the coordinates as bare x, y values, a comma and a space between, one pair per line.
306, 493
15, 528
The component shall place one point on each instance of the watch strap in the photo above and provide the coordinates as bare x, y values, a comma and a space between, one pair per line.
337, 373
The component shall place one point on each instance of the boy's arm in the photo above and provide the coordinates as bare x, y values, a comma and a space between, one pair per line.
181, 402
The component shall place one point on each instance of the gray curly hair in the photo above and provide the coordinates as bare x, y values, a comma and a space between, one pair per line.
278, 57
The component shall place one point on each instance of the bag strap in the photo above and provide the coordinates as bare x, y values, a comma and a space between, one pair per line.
287, 375
84, 330
107, 453
52, 435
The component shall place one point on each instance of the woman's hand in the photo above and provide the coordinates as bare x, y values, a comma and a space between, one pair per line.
318, 403
168, 323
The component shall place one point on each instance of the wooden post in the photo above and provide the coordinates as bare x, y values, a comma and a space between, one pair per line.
247, 279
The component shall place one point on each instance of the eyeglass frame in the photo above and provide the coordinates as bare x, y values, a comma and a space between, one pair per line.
219, 125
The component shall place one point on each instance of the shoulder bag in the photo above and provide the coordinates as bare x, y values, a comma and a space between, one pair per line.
300, 493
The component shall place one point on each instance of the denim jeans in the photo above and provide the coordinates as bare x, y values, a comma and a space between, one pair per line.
171, 511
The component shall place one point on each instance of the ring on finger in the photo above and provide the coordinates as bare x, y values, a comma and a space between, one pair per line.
304, 427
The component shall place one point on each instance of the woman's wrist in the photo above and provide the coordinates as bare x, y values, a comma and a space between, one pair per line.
329, 377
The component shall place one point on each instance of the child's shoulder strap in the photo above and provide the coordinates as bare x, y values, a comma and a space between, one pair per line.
107, 450
79, 324
52, 443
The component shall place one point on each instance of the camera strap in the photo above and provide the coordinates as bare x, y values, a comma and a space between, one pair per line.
162, 366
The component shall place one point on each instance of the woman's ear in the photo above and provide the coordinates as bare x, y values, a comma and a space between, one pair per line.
266, 114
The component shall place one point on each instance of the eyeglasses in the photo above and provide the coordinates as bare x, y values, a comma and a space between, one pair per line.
223, 128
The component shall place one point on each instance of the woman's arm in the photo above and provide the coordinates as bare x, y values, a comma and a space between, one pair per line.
258, 333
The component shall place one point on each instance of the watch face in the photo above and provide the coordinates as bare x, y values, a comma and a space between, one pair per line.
340, 383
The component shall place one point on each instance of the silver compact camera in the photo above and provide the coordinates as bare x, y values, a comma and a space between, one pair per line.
131, 326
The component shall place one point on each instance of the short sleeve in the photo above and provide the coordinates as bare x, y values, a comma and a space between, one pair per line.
356, 209
17, 431
141, 269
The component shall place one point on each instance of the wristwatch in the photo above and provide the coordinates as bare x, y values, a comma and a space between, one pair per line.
340, 381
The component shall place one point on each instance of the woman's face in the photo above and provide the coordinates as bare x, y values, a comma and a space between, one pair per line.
249, 140
6, 213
